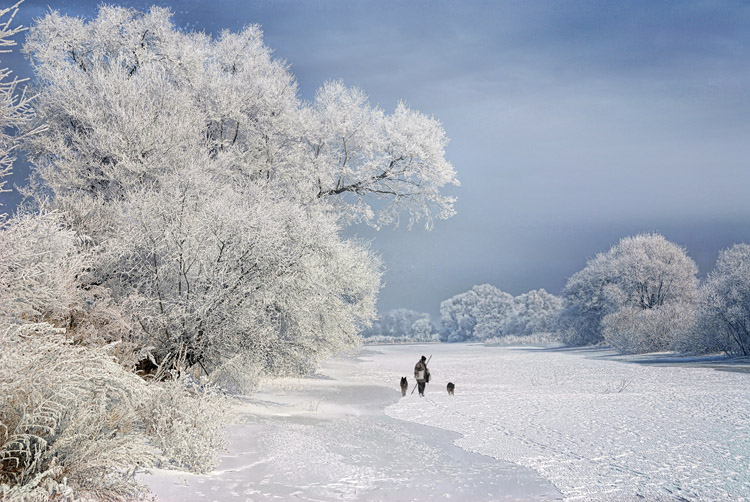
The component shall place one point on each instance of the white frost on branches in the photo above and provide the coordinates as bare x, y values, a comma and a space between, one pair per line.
640, 296
68, 420
485, 312
360, 151
724, 313
15, 103
75, 423
401, 325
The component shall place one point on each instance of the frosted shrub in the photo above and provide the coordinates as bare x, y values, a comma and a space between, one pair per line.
634, 331
184, 420
68, 426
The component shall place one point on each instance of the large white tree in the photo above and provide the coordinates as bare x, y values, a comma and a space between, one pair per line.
724, 313
482, 312
645, 272
534, 312
211, 198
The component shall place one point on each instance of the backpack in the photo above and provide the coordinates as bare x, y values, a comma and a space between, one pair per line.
427, 376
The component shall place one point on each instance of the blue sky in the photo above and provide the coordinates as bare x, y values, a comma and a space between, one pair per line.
572, 123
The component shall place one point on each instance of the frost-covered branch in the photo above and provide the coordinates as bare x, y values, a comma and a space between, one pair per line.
15, 103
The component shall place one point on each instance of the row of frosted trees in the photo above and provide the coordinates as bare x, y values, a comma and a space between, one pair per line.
182, 228
643, 295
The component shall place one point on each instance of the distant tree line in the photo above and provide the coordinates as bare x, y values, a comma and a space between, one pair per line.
400, 326
642, 295
485, 312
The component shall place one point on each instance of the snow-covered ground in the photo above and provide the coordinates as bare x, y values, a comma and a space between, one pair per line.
529, 422
598, 429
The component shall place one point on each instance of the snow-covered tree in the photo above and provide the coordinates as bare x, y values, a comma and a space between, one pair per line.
456, 317
724, 307
400, 325
15, 103
534, 312
480, 313
643, 272
214, 197
359, 151
585, 303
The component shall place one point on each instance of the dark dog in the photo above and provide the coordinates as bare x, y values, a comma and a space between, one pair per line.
404, 385
450, 388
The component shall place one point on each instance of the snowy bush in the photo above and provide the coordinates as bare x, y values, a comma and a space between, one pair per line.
184, 421
68, 425
724, 308
633, 330
75, 423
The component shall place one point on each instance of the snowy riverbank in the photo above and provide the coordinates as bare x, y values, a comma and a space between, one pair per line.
542, 420
327, 439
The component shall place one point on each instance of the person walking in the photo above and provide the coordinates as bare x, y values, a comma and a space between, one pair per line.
421, 374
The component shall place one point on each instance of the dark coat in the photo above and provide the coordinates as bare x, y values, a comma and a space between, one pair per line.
421, 367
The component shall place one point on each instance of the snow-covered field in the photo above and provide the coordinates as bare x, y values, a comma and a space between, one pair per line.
598, 429
529, 422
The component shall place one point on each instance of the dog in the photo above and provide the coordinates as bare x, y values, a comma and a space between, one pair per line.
404, 386
451, 387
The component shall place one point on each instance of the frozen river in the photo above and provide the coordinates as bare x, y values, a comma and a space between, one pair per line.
523, 425
328, 438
